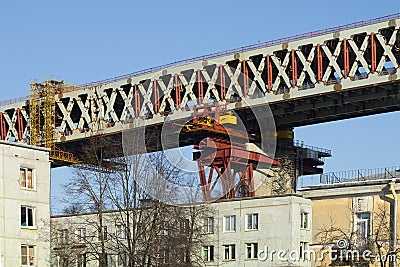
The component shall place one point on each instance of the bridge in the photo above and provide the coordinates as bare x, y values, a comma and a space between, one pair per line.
332, 74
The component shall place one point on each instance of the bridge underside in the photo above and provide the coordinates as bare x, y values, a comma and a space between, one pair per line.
374, 99
339, 105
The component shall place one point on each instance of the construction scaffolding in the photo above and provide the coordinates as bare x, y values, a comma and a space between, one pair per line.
42, 109
34, 113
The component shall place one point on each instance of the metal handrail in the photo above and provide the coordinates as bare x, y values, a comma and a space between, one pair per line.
360, 175
229, 52
318, 149
14, 100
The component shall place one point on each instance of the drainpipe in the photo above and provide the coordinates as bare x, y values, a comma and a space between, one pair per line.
394, 220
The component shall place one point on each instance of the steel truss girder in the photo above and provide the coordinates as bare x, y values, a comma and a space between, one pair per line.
279, 73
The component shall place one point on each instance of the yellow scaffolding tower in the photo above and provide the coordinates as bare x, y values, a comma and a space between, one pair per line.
42, 100
34, 113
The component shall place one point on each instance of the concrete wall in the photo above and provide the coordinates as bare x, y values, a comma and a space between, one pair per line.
12, 197
333, 211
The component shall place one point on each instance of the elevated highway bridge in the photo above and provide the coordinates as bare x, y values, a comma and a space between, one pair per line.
328, 75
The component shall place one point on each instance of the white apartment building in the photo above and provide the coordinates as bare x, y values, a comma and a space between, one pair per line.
24, 205
258, 231
261, 231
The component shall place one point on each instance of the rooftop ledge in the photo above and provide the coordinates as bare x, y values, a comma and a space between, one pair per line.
24, 146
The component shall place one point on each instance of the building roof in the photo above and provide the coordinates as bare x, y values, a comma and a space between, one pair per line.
2, 142
350, 189
350, 183
199, 203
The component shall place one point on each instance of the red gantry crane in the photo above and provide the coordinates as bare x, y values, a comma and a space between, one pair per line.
230, 165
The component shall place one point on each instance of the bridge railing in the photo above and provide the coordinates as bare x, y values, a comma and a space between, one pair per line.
14, 100
247, 48
228, 52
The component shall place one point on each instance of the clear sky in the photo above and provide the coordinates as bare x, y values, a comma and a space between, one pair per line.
84, 41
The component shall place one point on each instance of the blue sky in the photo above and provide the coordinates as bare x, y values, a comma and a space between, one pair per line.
84, 41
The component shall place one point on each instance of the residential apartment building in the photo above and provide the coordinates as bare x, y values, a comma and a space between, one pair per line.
24, 205
259, 231
353, 222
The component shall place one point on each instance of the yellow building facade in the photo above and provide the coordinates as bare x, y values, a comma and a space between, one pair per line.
355, 223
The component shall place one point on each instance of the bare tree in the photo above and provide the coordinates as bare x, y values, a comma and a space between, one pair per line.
131, 196
157, 233
350, 244
329, 236
87, 189
382, 235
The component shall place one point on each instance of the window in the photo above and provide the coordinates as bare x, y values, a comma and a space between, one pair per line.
304, 220
105, 233
252, 221
252, 250
163, 256
303, 249
208, 252
183, 256
361, 204
363, 224
26, 178
27, 216
63, 237
111, 259
27, 255
164, 227
64, 261
122, 260
103, 257
121, 233
81, 260
185, 225
230, 223
80, 235
209, 225
229, 252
